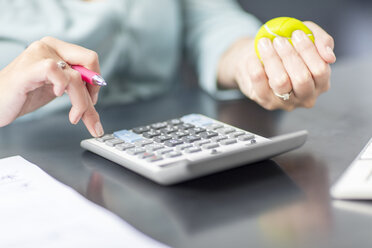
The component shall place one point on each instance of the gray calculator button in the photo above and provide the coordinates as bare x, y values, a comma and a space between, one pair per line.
179, 134
210, 146
146, 155
236, 134
140, 130
214, 126
193, 149
162, 138
154, 147
124, 146
219, 138
164, 151
136, 151
159, 125
196, 130
225, 130
154, 158
202, 142
246, 137
168, 130
228, 141
208, 135
191, 138
143, 142
173, 154
185, 126
113, 142
175, 122
105, 137
151, 134
173, 142
183, 146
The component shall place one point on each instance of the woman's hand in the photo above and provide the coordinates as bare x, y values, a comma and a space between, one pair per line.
302, 69
34, 79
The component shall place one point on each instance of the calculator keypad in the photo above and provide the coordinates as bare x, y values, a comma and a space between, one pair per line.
191, 134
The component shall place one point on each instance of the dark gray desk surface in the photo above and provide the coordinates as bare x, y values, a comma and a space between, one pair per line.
282, 202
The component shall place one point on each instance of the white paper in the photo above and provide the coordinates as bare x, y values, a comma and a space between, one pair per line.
38, 211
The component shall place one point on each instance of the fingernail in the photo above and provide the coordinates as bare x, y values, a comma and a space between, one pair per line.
98, 129
264, 44
74, 116
281, 42
330, 51
75, 119
298, 36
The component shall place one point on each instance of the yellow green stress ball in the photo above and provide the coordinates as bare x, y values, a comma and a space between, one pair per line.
281, 26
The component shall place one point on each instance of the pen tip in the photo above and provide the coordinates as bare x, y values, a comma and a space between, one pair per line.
98, 80
102, 83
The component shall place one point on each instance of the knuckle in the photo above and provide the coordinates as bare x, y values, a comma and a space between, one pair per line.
269, 105
92, 57
322, 70
303, 78
47, 39
37, 46
326, 87
246, 91
50, 65
91, 113
281, 81
75, 76
255, 96
309, 103
257, 76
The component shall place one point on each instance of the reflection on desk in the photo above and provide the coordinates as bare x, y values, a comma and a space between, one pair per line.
302, 222
217, 206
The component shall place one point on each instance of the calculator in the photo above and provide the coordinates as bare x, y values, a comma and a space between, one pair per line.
194, 145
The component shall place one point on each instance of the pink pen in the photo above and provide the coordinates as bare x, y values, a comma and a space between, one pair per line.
89, 76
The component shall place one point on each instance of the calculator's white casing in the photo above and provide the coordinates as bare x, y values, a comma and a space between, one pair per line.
175, 170
356, 181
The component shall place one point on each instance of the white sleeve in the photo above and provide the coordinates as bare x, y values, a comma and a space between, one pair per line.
211, 28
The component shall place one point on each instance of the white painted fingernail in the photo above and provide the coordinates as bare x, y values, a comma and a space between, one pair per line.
298, 35
98, 129
281, 42
264, 44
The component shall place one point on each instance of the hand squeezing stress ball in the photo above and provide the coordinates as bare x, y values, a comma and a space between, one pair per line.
287, 64
281, 27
